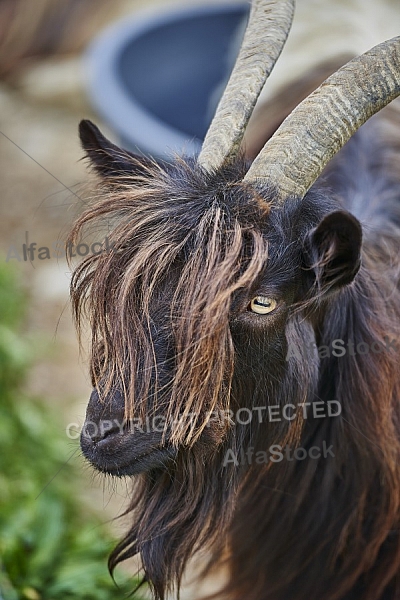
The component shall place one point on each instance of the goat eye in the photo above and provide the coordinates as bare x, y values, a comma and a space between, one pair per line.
262, 305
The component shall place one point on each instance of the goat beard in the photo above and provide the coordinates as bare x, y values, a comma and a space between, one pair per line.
176, 513
190, 506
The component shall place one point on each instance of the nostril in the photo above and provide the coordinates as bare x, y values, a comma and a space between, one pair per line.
111, 431
96, 432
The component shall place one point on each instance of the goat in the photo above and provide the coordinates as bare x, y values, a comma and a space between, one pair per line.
221, 271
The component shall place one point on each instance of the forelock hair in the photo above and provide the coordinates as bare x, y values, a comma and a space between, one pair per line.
183, 238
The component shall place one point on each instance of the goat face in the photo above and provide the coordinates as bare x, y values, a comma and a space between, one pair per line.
194, 307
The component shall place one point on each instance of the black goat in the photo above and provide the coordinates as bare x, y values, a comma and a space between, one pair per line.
220, 275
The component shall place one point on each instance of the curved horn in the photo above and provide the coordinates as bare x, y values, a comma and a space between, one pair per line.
319, 127
265, 36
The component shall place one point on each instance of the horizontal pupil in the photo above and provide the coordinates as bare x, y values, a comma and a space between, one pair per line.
262, 302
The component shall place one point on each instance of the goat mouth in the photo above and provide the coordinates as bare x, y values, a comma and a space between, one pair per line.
154, 459
122, 454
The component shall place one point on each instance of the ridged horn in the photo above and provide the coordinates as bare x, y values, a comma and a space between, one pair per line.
318, 128
266, 33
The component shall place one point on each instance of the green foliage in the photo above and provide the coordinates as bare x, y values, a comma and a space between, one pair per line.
51, 548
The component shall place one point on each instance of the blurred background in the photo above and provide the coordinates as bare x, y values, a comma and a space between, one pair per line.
151, 82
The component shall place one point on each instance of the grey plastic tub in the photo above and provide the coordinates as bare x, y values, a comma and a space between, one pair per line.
156, 79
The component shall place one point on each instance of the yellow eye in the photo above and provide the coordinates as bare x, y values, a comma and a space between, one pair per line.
262, 305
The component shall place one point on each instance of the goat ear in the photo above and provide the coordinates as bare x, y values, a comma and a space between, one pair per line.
333, 250
109, 160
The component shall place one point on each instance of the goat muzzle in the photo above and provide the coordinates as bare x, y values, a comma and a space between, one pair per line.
119, 447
